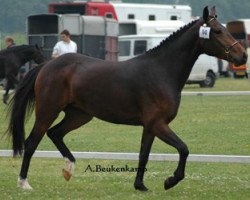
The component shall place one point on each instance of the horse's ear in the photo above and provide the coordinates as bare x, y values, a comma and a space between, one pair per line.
205, 13
213, 11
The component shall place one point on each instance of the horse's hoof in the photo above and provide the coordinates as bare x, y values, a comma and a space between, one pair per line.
170, 182
68, 170
66, 174
141, 187
23, 183
5, 98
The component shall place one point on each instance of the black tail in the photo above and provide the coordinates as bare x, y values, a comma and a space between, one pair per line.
22, 103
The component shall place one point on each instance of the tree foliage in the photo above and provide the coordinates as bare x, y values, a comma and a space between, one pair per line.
13, 13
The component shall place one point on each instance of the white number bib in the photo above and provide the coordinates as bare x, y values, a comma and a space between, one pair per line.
204, 32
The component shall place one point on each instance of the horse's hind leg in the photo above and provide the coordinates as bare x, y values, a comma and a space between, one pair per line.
42, 124
163, 132
74, 118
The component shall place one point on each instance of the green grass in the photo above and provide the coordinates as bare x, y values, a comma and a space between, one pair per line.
209, 125
203, 181
223, 84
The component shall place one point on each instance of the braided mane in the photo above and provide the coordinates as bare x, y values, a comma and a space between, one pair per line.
172, 37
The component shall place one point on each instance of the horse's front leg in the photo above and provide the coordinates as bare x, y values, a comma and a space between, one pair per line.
6, 94
163, 132
146, 143
11, 80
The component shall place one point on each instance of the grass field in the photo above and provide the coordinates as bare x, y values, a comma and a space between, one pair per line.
203, 181
223, 84
209, 125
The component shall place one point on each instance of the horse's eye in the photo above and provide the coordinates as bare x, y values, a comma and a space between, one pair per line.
217, 31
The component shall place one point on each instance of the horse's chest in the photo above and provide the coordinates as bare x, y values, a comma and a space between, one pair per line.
161, 107
166, 108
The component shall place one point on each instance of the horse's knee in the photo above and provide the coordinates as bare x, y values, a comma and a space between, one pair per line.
50, 134
53, 134
183, 150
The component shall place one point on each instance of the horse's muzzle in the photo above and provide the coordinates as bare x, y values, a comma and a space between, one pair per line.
240, 60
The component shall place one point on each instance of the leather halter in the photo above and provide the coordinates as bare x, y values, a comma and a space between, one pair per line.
227, 49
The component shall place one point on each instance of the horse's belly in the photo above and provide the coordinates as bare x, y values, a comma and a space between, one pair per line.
120, 120
118, 116
118, 113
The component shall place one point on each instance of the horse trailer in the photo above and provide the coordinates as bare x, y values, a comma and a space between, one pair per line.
240, 30
90, 8
123, 11
95, 36
152, 12
139, 27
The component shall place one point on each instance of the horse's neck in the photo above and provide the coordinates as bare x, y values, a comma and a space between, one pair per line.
179, 56
26, 55
186, 55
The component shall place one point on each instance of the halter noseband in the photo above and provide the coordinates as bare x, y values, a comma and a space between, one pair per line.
227, 49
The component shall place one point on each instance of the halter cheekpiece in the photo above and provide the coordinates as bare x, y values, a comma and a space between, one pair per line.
205, 31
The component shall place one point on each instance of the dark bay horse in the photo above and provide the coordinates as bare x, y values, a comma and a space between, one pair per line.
12, 59
144, 91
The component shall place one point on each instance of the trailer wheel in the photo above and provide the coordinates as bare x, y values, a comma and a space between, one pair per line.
209, 81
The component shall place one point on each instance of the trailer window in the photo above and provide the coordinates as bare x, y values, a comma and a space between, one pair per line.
69, 9
140, 47
173, 17
109, 15
43, 24
131, 16
151, 17
127, 29
124, 48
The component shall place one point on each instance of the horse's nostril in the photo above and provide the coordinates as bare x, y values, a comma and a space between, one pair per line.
245, 56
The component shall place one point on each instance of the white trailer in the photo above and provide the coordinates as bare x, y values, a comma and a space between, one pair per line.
152, 12
138, 27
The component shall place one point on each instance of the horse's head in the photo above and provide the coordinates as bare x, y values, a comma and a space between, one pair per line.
38, 56
217, 41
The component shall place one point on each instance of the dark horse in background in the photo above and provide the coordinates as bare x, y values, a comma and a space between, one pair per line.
143, 91
12, 59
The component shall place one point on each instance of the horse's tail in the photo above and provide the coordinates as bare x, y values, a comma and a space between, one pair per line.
22, 105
